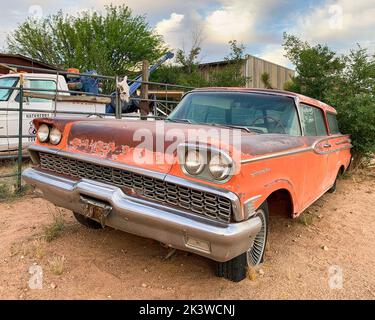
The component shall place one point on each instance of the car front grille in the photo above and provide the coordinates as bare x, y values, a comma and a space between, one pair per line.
199, 202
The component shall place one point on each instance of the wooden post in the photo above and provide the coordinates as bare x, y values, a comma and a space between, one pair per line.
144, 104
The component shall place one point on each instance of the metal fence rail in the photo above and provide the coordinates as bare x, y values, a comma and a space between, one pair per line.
163, 106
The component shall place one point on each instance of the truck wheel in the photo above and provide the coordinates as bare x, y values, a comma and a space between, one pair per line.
87, 222
236, 268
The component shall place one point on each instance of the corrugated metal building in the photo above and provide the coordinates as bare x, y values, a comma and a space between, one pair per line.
253, 68
8, 58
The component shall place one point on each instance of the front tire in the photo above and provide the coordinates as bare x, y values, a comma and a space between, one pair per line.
236, 268
87, 222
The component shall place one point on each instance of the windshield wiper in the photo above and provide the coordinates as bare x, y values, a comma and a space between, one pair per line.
179, 120
235, 126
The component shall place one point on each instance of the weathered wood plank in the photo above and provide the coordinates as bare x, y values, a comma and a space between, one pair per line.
60, 97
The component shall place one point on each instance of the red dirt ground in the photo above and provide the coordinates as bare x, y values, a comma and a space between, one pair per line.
108, 264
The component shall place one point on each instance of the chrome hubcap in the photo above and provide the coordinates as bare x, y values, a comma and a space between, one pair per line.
254, 255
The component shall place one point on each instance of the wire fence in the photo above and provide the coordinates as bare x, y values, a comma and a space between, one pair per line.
17, 107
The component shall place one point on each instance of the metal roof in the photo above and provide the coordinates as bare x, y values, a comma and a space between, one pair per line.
20, 56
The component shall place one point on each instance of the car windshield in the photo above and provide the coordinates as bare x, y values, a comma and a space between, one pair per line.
6, 82
263, 113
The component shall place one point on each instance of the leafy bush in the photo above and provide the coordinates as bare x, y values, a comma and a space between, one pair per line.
346, 82
356, 115
354, 99
266, 80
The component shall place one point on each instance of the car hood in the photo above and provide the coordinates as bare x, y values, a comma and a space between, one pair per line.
152, 144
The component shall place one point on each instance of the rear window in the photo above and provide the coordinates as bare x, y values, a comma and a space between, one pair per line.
332, 122
44, 85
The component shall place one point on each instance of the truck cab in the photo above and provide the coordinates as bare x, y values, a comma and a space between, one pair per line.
33, 107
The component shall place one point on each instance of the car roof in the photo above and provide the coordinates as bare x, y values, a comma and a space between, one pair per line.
302, 98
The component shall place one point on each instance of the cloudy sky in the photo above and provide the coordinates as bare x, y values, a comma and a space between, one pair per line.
258, 24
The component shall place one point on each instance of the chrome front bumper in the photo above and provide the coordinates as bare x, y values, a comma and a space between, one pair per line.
176, 228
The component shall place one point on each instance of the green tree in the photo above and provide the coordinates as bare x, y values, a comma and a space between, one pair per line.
318, 67
231, 75
187, 72
292, 85
190, 74
356, 115
358, 76
111, 43
354, 99
189, 60
347, 83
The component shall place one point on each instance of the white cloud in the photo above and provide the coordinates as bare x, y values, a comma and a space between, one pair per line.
340, 22
170, 29
226, 20
152, 7
229, 23
237, 19
275, 53
257, 23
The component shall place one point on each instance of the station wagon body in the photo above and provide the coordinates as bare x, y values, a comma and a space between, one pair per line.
210, 198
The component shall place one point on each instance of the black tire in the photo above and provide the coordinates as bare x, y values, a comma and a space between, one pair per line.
334, 187
87, 222
235, 269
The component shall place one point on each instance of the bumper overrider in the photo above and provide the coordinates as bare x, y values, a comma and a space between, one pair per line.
176, 228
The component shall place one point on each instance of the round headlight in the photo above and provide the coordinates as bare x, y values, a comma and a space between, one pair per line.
194, 162
55, 136
220, 167
43, 133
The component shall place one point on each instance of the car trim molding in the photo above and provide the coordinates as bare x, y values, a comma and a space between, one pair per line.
276, 155
292, 152
343, 142
334, 150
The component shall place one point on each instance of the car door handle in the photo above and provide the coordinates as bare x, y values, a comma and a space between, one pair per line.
327, 145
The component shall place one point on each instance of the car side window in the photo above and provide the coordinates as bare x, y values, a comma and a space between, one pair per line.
332, 122
321, 128
313, 121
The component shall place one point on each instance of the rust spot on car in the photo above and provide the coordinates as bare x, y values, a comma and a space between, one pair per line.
100, 148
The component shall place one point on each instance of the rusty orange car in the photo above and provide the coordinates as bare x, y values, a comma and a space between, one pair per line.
205, 179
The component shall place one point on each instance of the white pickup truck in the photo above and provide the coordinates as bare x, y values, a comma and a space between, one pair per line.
47, 103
